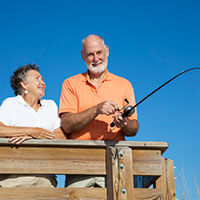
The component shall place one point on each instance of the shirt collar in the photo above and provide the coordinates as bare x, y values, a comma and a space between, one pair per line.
21, 100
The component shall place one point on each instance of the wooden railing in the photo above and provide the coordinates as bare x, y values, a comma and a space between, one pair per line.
134, 170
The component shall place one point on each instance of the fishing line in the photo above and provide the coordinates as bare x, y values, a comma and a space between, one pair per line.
129, 110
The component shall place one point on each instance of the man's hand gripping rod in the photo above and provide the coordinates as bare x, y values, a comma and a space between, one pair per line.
129, 110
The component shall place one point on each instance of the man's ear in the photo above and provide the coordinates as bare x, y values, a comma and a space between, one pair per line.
23, 85
82, 55
107, 50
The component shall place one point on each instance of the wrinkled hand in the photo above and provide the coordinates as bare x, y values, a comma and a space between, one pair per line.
107, 107
18, 140
41, 133
120, 121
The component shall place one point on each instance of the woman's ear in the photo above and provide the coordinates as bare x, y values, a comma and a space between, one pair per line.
23, 85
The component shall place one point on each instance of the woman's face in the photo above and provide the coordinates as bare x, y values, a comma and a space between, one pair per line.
35, 85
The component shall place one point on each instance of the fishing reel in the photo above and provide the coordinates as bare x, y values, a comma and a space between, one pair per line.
127, 111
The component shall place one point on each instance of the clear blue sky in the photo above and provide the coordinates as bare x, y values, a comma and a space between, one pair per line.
149, 41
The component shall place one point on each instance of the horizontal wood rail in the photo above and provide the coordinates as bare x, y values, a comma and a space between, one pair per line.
122, 162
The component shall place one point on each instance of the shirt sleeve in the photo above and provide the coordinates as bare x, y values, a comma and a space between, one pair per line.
68, 98
6, 110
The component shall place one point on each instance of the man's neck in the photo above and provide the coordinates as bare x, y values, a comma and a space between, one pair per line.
96, 79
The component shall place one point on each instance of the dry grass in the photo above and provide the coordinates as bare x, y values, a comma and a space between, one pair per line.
196, 184
183, 186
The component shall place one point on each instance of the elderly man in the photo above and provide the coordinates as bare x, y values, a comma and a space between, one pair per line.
89, 102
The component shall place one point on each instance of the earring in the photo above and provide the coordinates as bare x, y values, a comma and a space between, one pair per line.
25, 92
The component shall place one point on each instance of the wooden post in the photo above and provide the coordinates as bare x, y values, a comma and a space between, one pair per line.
119, 173
125, 168
112, 173
166, 181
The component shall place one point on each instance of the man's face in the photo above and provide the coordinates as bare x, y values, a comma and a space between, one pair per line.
95, 55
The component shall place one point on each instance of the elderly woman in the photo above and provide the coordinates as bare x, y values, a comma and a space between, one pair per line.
28, 116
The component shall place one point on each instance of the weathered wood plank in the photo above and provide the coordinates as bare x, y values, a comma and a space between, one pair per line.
162, 146
53, 194
52, 160
147, 162
148, 194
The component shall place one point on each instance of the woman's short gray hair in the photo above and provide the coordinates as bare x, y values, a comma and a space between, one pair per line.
20, 76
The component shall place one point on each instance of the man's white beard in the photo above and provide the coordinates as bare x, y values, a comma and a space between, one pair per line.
97, 69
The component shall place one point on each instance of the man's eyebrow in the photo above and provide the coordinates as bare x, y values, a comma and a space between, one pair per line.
89, 53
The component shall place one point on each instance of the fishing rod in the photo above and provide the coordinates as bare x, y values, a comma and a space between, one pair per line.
129, 110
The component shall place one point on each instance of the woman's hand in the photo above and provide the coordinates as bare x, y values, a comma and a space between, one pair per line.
37, 133
18, 140
41, 133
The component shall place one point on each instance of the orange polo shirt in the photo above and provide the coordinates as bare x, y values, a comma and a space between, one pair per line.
79, 94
